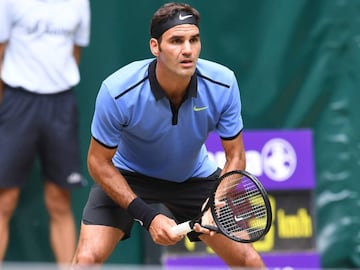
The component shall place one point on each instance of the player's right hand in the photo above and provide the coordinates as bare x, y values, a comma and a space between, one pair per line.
161, 232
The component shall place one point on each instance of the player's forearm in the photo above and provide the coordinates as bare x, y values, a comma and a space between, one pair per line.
111, 181
234, 154
117, 189
115, 186
238, 163
77, 53
103, 171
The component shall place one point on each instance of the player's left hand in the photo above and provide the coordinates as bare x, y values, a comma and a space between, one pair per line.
198, 228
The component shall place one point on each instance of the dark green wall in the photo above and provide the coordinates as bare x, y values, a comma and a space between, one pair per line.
298, 65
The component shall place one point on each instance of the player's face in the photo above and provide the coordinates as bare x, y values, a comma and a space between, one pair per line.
179, 49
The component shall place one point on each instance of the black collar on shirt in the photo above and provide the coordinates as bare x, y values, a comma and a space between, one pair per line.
159, 93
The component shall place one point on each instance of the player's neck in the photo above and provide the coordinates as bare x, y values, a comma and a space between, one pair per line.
175, 86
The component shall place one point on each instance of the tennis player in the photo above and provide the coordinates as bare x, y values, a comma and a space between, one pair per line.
150, 123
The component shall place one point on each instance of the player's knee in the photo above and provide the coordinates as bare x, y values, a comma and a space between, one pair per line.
8, 202
253, 259
7, 210
58, 205
247, 257
6, 213
86, 258
56, 209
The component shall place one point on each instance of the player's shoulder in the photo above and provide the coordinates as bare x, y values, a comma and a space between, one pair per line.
213, 71
127, 77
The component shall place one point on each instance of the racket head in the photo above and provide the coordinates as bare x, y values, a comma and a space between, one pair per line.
240, 207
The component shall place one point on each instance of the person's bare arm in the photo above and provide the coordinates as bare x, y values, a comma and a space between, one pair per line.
2, 53
114, 184
106, 174
77, 53
235, 160
234, 154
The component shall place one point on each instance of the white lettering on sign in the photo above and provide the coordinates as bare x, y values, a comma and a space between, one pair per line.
277, 160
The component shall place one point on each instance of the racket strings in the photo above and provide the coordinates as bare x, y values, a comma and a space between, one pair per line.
240, 208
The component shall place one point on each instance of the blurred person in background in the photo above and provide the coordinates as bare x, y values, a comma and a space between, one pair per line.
40, 47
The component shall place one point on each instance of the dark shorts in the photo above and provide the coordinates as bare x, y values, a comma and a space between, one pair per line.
182, 200
39, 126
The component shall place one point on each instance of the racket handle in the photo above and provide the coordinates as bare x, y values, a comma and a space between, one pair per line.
182, 228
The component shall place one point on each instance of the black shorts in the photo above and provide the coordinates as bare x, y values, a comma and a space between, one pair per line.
39, 126
183, 200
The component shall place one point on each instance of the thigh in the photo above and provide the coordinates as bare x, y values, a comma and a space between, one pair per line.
188, 199
18, 136
96, 243
184, 200
8, 201
59, 148
100, 209
233, 253
57, 199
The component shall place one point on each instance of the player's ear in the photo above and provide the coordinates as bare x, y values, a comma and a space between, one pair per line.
154, 47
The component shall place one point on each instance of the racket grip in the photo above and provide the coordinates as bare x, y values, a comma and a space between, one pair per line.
182, 228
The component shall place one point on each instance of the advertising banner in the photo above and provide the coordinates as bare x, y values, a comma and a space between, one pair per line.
274, 261
282, 159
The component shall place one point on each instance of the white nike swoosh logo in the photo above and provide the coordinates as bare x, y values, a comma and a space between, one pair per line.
238, 218
139, 221
181, 18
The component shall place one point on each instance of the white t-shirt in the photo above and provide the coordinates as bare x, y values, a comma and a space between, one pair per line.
41, 35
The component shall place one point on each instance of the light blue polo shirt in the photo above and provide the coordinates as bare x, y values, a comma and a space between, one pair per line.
133, 115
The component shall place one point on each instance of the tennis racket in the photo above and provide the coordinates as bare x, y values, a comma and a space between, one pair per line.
238, 207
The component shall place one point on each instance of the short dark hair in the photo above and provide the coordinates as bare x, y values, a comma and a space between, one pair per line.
168, 10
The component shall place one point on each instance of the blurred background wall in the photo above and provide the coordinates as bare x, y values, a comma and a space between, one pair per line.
298, 66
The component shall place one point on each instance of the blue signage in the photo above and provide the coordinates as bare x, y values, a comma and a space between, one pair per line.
282, 159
